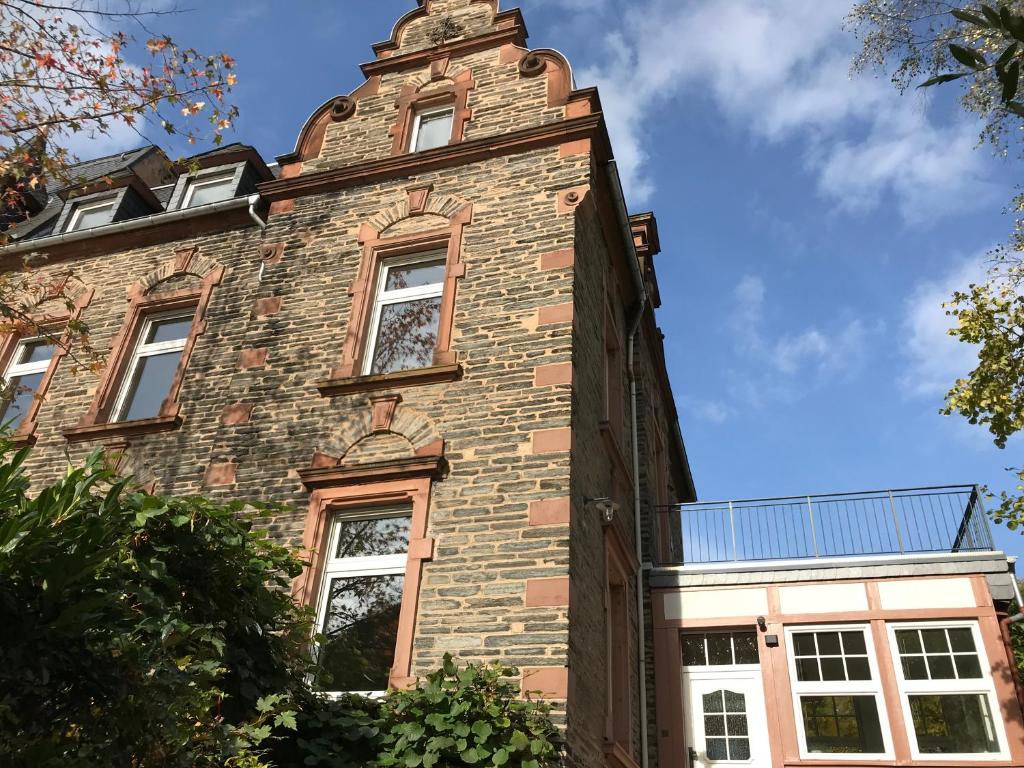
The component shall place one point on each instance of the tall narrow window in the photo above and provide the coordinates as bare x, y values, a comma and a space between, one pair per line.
153, 366
406, 314
837, 692
203, 190
946, 691
89, 215
432, 128
360, 601
23, 376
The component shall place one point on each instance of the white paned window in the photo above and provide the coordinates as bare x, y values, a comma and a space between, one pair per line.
947, 692
720, 649
153, 366
360, 600
837, 693
432, 128
406, 314
89, 215
23, 376
213, 188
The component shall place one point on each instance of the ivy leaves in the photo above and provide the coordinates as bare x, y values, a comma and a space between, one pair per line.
1002, 23
469, 716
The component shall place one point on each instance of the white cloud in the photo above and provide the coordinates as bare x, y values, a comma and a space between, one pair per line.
780, 70
713, 411
809, 353
934, 359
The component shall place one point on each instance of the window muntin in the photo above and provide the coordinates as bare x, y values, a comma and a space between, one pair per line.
718, 649
153, 366
361, 600
726, 735
948, 698
431, 129
837, 694
406, 314
939, 653
203, 190
23, 376
89, 215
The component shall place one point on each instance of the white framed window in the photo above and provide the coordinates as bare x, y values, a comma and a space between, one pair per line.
432, 128
837, 693
89, 215
946, 690
24, 374
361, 599
153, 366
719, 649
406, 314
212, 188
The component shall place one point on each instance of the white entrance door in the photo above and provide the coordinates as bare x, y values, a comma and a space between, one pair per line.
725, 716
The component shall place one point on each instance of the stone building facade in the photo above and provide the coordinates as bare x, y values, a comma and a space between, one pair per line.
429, 331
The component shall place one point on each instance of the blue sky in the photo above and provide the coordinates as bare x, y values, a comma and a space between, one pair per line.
811, 224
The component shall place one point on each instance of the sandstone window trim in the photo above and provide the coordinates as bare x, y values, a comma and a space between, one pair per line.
348, 375
427, 115
374, 488
56, 328
347, 567
99, 422
143, 351
384, 297
452, 95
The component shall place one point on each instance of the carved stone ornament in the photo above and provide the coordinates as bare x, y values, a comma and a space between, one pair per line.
342, 108
447, 29
532, 65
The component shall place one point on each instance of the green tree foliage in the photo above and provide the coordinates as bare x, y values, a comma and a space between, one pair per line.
141, 631
981, 48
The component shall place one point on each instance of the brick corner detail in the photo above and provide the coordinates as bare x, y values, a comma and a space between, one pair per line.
252, 358
552, 440
219, 474
548, 682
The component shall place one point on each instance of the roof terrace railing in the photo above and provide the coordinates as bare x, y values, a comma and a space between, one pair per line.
897, 522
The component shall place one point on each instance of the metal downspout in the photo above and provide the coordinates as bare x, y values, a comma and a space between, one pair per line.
634, 327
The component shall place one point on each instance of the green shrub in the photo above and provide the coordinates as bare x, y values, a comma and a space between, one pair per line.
138, 630
468, 716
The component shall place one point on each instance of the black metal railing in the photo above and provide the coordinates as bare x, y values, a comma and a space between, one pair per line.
897, 522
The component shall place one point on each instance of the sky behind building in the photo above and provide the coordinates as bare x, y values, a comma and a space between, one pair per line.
812, 224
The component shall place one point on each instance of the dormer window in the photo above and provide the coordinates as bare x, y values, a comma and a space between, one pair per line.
213, 188
89, 215
432, 128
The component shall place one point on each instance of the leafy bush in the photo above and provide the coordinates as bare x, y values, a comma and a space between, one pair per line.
468, 716
139, 630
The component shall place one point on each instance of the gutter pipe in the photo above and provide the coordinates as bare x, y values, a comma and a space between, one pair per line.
139, 223
634, 327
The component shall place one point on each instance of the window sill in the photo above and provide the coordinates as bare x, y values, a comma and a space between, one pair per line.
25, 436
412, 378
615, 756
123, 429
